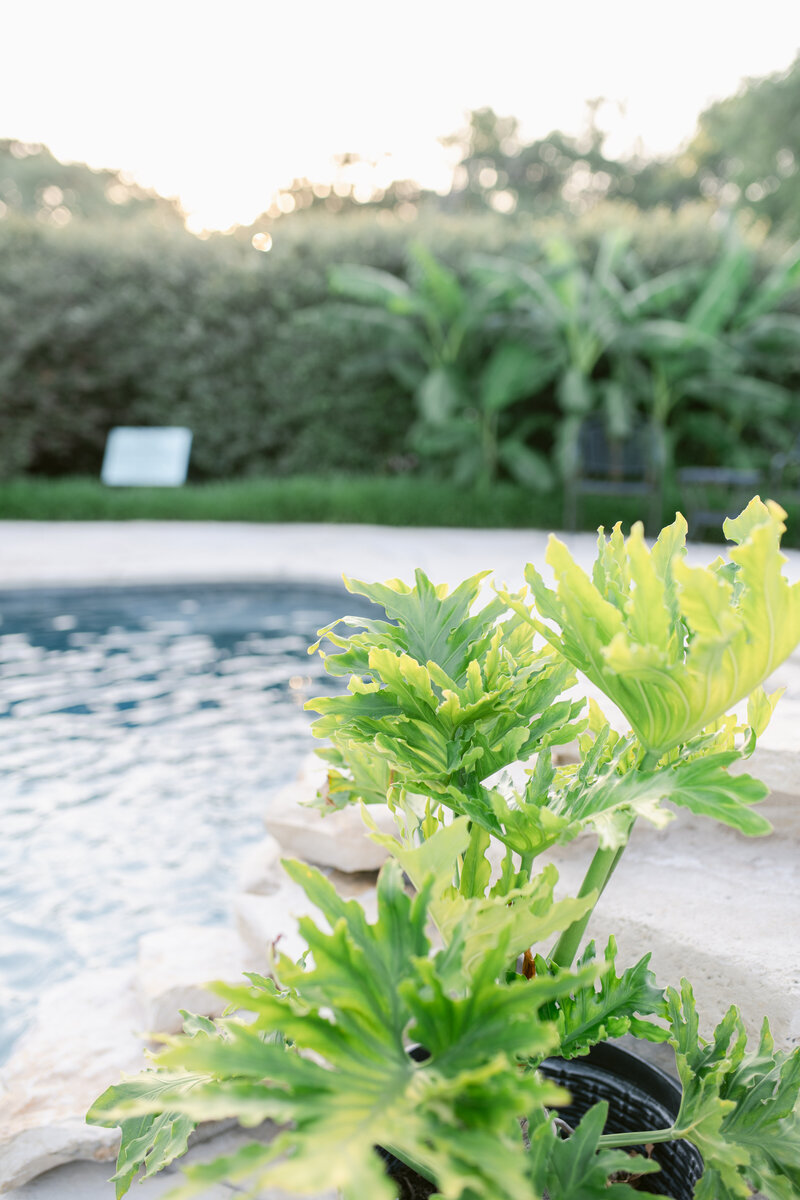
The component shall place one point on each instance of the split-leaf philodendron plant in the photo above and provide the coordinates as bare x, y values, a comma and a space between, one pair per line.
444, 694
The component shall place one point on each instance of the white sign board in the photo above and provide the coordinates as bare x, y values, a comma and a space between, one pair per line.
157, 457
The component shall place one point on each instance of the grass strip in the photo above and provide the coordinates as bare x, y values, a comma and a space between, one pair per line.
377, 500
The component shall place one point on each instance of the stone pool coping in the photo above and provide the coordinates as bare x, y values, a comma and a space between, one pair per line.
116, 553
112, 553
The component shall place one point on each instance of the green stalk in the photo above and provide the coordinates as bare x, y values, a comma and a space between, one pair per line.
601, 868
642, 1137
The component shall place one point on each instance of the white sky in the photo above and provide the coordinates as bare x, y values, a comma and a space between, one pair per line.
223, 103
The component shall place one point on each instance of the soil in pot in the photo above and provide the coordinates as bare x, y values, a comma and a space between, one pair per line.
411, 1186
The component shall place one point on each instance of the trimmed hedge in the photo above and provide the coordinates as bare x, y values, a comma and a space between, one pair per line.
97, 333
137, 327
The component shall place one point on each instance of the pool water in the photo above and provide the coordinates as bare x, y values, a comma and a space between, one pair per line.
142, 733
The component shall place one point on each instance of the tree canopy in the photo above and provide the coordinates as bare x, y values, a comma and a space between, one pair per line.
34, 183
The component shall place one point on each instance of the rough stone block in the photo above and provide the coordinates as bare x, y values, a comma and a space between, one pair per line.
83, 1036
266, 922
259, 869
175, 963
337, 839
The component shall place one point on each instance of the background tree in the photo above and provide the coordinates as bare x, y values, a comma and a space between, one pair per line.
745, 152
554, 174
33, 183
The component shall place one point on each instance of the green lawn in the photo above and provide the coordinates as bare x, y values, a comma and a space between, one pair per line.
397, 500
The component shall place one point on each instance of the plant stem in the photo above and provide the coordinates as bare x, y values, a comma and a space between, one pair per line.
601, 868
641, 1137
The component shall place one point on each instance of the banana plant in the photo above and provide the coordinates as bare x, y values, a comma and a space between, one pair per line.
715, 372
467, 364
587, 315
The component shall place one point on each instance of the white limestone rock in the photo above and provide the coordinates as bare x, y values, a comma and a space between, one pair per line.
176, 963
260, 869
83, 1036
337, 839
31, 1152
776, 759
267, 922
713, 906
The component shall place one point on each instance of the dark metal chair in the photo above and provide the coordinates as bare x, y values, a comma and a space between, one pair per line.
711, 494
784, 474
614, 467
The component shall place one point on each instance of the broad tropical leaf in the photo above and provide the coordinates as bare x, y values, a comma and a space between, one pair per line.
740, 1107
609, 1006
720, 296
372, 286
526, 466
578, 1168
654, 295
512, 372
675, 647
444, 696
345, 1079
440, 396
784, 276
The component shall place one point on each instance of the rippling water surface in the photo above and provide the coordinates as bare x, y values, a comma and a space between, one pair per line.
142, 732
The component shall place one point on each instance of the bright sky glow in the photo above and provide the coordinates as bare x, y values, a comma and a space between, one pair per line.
222, 104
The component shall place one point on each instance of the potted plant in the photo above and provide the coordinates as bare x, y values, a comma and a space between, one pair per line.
445, 1031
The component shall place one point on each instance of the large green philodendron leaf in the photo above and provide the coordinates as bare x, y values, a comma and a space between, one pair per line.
609, 1006
440, 695
740, 1108
606, 797
360, 776
431, 623
344, 1080
517, 912
578, 1168
150, 1142
675, 647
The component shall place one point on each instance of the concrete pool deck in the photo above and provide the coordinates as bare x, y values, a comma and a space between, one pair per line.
116, 553
749, 892
53, 554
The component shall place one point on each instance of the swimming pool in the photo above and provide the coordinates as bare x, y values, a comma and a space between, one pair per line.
142, 732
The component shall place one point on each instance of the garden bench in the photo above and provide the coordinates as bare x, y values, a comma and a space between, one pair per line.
614, 467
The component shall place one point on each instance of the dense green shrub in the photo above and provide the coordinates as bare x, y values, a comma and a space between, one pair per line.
108, 326
98, 332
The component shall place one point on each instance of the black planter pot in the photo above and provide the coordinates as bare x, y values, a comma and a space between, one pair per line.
639, 1096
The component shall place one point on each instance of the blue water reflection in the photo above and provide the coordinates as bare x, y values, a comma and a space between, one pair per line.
142, 732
